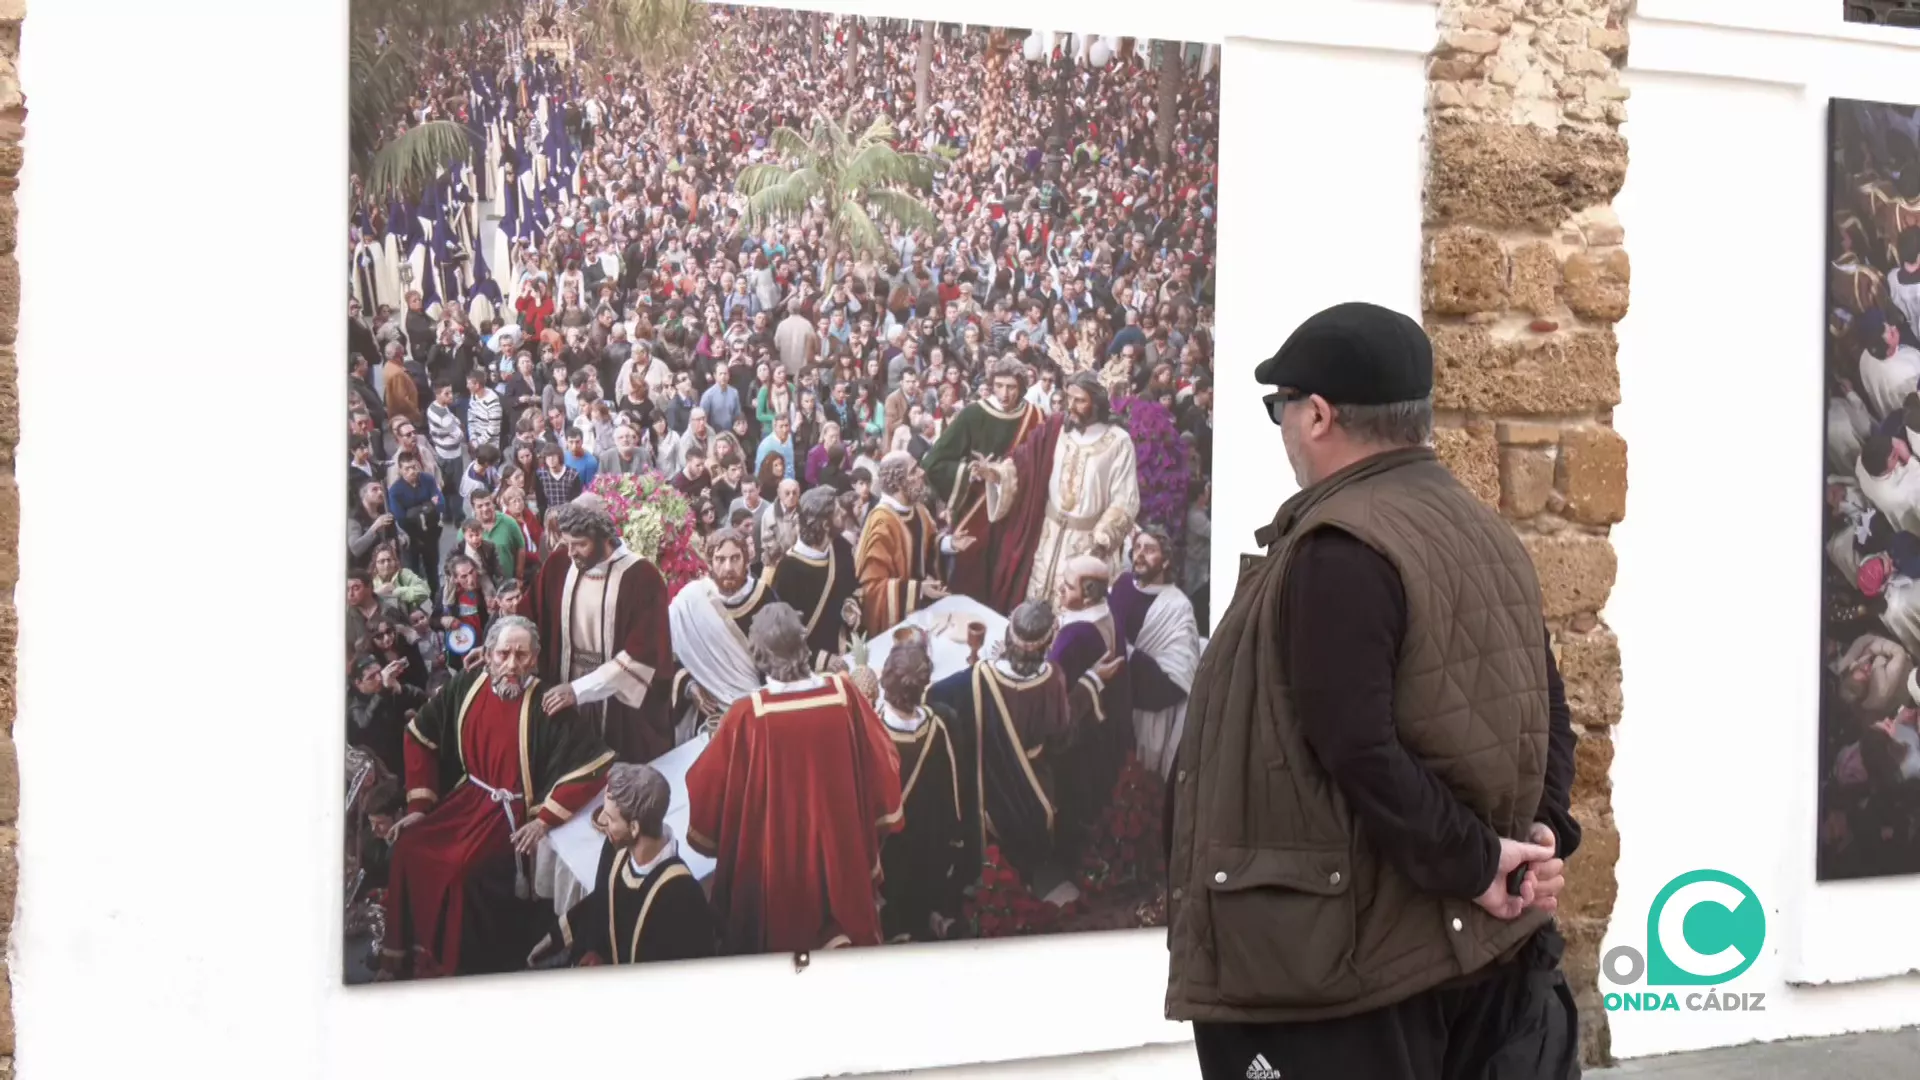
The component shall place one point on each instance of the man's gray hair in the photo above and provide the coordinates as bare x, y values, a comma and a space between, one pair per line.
895, 469
590, 521
512, 622
641, 795
1029, 635
816, 515
1397, 423
777, 641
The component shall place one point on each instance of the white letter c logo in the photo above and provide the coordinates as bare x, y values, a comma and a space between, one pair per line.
1673, 936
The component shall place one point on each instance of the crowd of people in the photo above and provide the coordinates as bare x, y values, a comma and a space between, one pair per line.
1870, 700
1011, 407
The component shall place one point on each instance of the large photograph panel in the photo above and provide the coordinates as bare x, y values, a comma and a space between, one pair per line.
778, 504
1869, 725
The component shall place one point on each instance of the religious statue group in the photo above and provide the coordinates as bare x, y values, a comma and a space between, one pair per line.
838, 806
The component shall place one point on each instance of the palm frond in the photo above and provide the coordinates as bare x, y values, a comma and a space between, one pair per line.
904, 209
757, 178
842, 143
654, 32
862, 236
880, 131
778, 194
883, 166
790, 145
408, 163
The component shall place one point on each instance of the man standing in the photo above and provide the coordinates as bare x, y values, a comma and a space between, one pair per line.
923, 874
792, 799
1086, 506
721, 402
402, 394
710, 617
585, 465
896, 556
449, 444
1426, 804
414, 501
692, 479
645, 905
817, 577
795, 338
485, 410
1014, 709
625, 459
608, 651
778, 441
490, 769
1157, 619
509, 543
957, 469
900, 401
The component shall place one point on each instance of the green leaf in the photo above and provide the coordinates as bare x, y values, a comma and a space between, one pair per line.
410, 162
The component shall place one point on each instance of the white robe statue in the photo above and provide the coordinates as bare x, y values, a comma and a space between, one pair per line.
1171, 637
710, 646
1093, 496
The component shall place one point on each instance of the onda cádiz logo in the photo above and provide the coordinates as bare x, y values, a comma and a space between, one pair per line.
1704, 929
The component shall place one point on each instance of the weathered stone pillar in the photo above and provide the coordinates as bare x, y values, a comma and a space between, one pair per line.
13, 116
1525, 276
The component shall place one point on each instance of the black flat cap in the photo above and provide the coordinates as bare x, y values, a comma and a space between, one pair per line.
1354, 354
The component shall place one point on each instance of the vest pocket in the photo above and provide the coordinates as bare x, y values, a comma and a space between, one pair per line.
1283, 925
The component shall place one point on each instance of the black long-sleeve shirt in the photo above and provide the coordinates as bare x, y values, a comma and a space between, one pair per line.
1343, 615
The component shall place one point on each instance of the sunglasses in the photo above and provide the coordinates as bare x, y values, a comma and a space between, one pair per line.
1277, 401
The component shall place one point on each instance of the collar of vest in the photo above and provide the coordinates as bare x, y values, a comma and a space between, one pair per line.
1307, 498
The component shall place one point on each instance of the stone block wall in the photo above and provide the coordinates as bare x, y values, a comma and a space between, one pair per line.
13, 116
1524, 276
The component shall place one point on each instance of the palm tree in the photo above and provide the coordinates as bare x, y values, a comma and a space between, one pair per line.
859, 178
654, 32
383, 73
1172, 67
993, 97
923, 72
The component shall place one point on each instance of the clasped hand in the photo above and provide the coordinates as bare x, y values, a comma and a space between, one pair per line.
1540, 887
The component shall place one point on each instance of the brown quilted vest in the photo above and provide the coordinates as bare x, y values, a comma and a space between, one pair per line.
1281, 908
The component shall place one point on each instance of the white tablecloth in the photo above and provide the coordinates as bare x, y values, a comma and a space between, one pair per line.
564, 867
949, 655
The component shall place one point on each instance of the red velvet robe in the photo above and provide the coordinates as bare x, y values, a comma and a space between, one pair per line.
452, 899
792, 798
637, 734
1014, 538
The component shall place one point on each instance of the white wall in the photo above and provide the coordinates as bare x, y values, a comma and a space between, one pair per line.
179, 907
1720, 367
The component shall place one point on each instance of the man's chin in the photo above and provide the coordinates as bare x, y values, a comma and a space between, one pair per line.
508, 688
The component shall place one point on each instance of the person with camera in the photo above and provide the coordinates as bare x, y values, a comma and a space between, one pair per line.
415, 501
